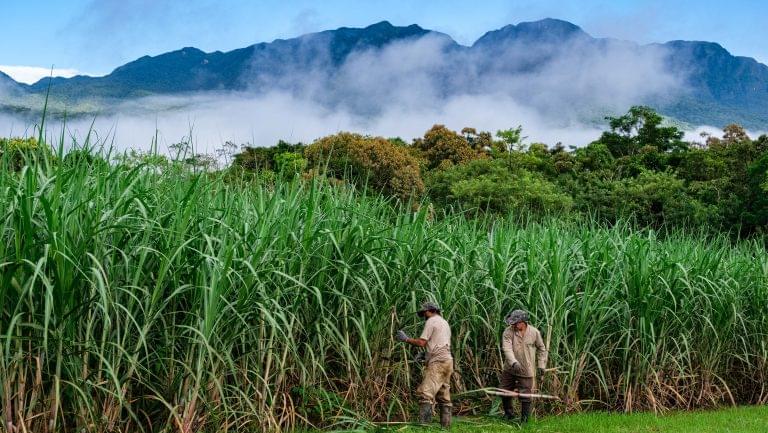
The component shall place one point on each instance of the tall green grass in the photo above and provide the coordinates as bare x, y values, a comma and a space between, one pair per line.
138, 300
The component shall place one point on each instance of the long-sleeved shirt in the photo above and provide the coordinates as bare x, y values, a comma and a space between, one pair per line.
526, 348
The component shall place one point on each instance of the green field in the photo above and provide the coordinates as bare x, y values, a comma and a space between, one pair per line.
144, 298
739, 420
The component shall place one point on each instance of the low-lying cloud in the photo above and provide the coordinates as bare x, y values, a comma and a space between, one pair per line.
33, 74
700, 134
402, 90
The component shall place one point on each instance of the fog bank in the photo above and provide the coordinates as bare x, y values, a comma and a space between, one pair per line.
557, 92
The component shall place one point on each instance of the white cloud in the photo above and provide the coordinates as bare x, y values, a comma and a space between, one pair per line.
32, 74
212, 119
700, 133
402, 90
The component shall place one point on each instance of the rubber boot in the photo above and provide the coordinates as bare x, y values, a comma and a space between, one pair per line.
425, 413
525, 411
509, 412
445, 416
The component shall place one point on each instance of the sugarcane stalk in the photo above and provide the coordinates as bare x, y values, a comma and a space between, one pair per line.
507, 393
523, 395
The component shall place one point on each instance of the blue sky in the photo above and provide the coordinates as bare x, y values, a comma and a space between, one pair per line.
95, 36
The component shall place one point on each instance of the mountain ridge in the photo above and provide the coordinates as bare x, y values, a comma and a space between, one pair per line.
722, 88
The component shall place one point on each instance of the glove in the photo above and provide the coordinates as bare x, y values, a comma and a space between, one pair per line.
420, 358
540, 371
401, 335
515, 366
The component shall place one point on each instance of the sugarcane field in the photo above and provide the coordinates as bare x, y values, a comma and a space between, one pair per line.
389, 217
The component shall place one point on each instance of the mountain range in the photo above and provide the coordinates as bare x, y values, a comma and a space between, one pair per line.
690, 81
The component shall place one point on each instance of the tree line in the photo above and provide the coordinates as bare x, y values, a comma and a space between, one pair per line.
640, 169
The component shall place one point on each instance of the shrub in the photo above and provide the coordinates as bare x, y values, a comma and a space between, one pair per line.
375, 161
491, 186
289, 164
16, 151
265, 158
660, 198
443, 148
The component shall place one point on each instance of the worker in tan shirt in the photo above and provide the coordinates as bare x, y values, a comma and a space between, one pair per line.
436, 384
524, 356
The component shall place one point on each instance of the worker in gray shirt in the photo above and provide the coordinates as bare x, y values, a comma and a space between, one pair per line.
524, 356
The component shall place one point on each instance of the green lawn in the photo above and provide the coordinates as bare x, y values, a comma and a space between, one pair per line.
739, 420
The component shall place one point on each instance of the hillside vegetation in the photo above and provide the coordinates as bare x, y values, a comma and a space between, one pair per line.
640, 169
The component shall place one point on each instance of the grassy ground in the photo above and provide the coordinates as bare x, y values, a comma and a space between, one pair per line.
738, 420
